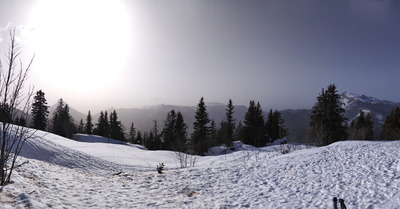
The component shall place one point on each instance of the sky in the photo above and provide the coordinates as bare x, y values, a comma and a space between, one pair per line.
97, 54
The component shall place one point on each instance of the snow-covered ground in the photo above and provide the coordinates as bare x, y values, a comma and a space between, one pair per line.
64, 173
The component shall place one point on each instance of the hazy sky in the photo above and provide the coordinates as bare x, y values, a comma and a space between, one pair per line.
98, 54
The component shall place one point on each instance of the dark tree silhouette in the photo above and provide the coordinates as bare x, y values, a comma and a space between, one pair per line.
201, 131
132, 134
40, 111
228, 127
362, 128
63, 123
116, 129
391, 127
254, 132
168, 132
88, 124
275, 126
327, 123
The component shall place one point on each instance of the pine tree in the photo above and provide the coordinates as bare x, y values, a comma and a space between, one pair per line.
153, 141
132, 134
174, 132
254, 132
168, 131
221, 134
275, 126
212, 138
239, 131
139, 139
63, 123
229, 126
180, 133
39, 111
106, 125
81, 126
201, 130
88, 125
391, 127
327, 123
100, 125
361, 128
115, 127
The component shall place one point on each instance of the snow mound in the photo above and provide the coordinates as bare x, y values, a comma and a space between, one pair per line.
75, 174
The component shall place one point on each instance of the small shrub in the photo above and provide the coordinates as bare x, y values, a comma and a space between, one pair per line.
160, 168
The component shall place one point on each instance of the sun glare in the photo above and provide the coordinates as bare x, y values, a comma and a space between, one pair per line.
79, 44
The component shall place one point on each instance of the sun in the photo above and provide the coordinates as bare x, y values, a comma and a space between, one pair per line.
80, 45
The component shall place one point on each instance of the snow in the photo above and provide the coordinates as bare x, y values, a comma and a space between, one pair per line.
380, 118
348, 98
64, 173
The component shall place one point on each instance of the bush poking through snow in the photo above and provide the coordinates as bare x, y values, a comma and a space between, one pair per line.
160, 168
185, 160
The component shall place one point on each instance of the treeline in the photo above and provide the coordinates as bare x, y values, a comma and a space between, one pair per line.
254, 130
62, 123
328, 124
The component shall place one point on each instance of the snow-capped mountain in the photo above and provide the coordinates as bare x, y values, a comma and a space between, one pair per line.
297, 120
378, 109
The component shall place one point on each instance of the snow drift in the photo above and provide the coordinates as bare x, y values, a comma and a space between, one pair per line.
89, 173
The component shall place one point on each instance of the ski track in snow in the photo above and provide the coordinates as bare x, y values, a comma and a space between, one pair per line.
70, 174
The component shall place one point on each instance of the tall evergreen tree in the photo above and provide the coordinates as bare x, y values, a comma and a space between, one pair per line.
139, 138
327, 123
115, 127
391, 127
254, 132
81, 127
239, 131
132, 134
174, 132
63, 123
40, 111
362, 128
152, 141
106, 125
230, 125
100, 125
180, 133
168, 131
201, 131
212, 138
88, 124
275, 126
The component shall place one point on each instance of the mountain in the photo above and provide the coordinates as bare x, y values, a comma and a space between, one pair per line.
76, 115
143, 118
297, 120
378, 109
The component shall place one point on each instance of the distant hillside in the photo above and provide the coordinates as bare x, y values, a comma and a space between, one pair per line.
295, 120
143, 118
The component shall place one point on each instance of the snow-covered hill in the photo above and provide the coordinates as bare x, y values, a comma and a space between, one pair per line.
89, 173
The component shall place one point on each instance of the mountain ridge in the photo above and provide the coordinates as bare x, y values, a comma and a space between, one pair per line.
296, 120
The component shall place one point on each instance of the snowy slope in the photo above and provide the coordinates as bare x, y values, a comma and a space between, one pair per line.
80, 174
